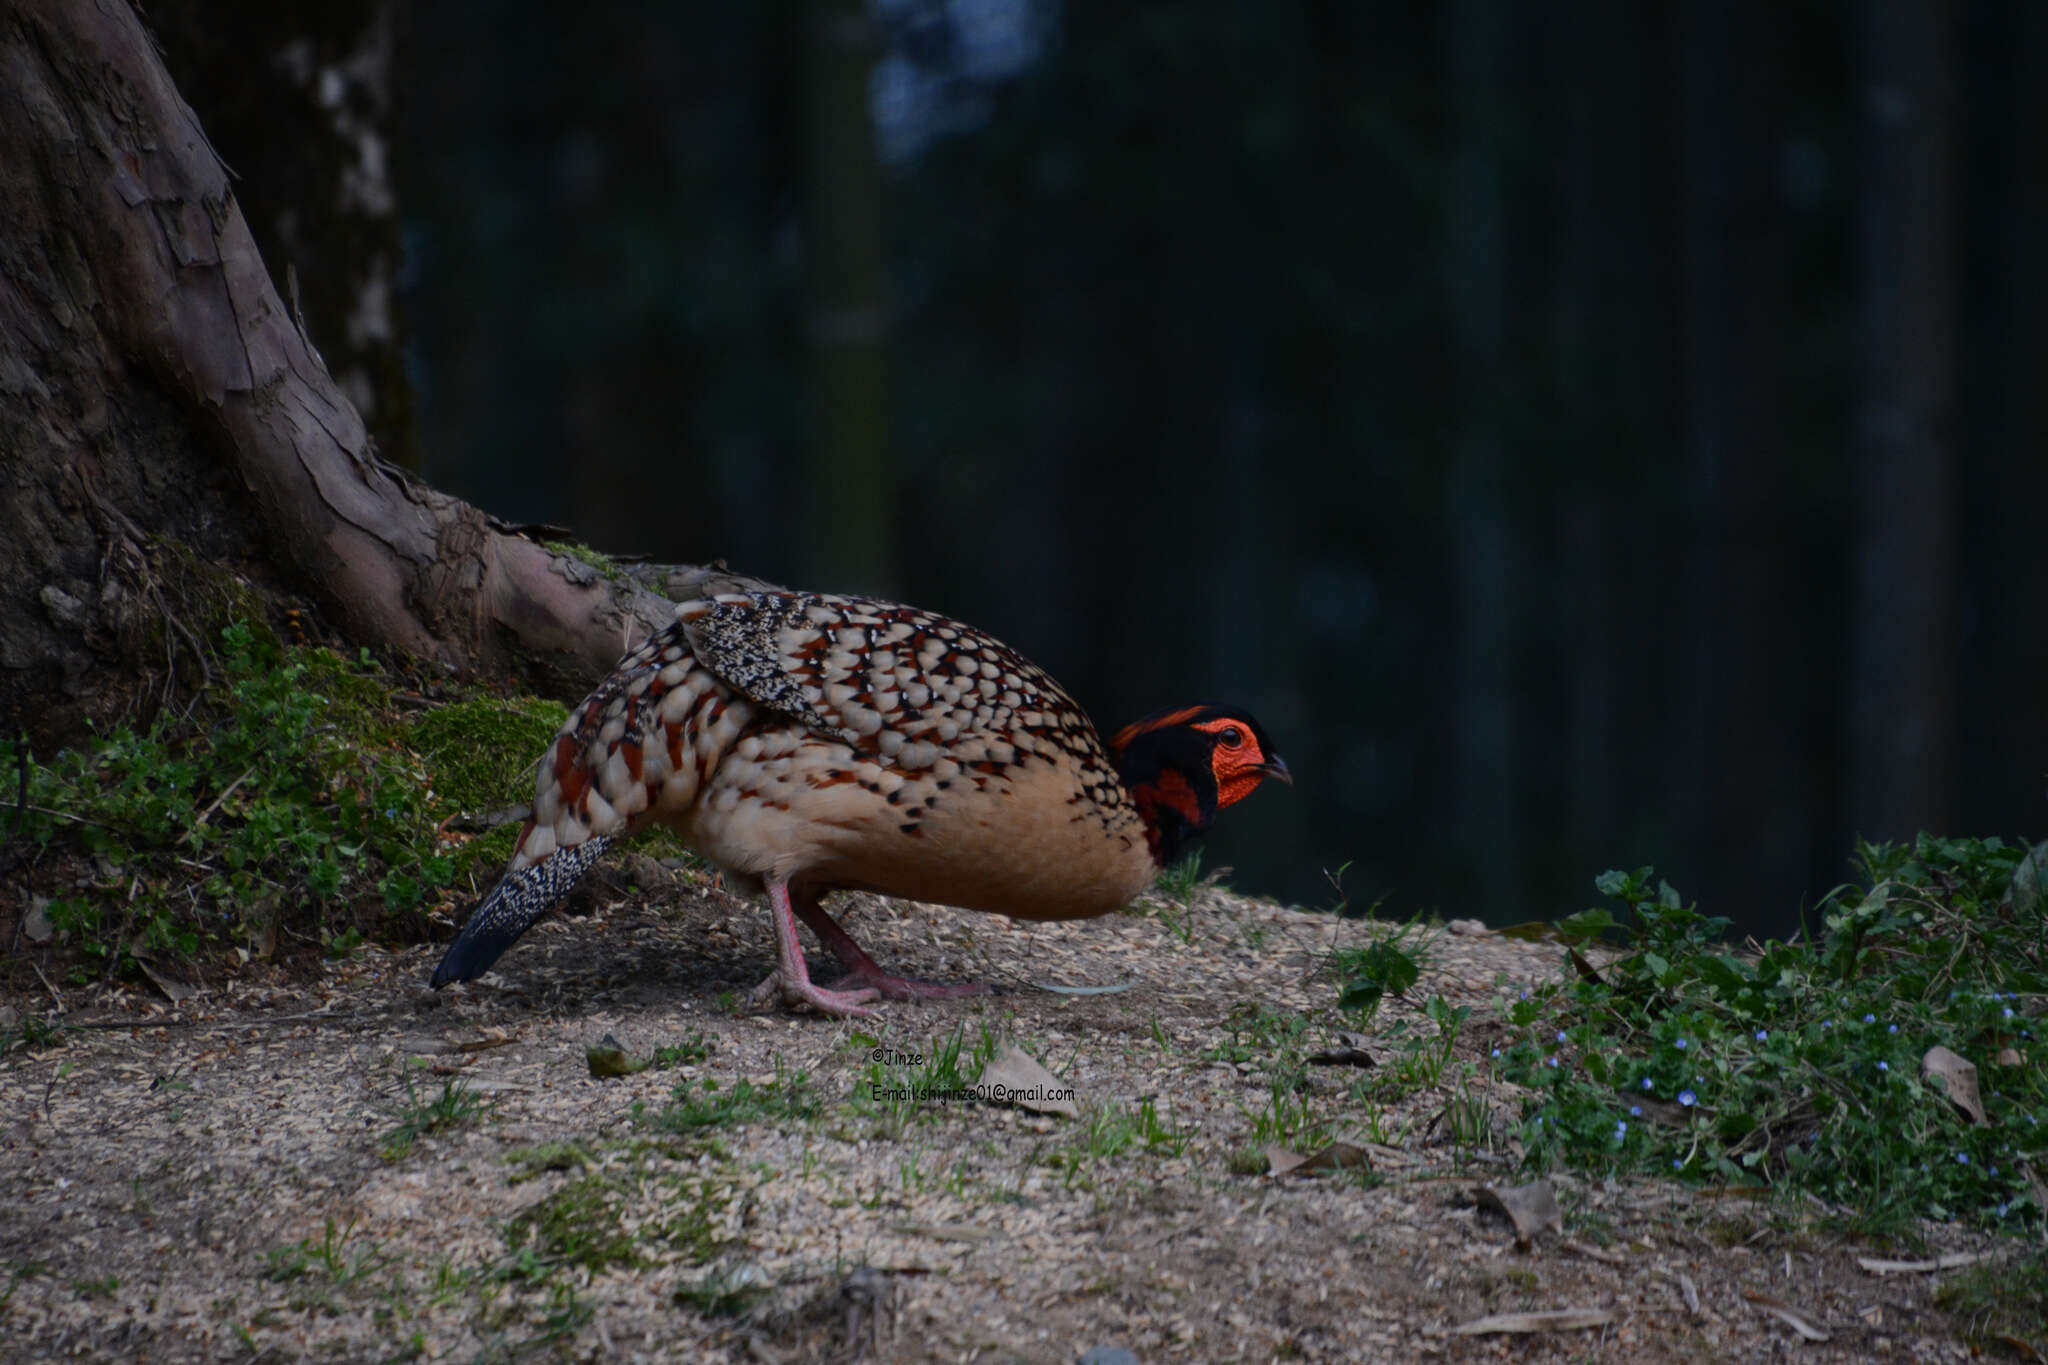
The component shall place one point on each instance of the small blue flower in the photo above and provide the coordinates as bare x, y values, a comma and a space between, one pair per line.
1893, 1029
1525, 992
1763, 1035
1869, 1018
1676, 1164
1963, 1158
1561, 1037
1687, 1098
1635, 1111
1496, 1052
2007, 1011
1681, 1044
1647, 1084
1827, 1023
1884, 1066
1620, 1128
1550, 1061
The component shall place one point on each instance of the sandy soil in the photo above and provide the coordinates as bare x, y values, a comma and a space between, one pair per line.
217, 1178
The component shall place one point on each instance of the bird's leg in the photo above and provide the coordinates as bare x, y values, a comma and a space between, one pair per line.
861, 970
791, 977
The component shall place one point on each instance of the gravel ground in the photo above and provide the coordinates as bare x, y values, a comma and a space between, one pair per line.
256, 1172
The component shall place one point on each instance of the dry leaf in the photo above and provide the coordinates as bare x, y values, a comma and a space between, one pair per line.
1347, 1050
1531, 1208
2010, 1056
1338, 1156
1958, 1077
950, 1232
1554, 1320
1013, 1076
175, 991
1787, 1314
36, 923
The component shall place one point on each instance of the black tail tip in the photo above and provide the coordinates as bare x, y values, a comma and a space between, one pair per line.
469, 957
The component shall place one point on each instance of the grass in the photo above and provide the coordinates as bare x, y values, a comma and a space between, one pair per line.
1798, 1064
900, 1084
337, 1257
2000, 1307
455, 1106
707, 1103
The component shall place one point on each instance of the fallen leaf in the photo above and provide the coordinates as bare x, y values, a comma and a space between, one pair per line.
1553, 1320
1787, 1314
950, 1232
1531, 1208
608, 1059
36, 923
1958, 1076
2010, 1056
1348, 1050
1338, 1156
1013, 1076
175, 991
2030, 879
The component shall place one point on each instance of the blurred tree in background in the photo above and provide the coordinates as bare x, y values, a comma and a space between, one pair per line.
1587, 434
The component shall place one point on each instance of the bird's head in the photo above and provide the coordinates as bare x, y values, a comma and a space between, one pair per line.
1183, 766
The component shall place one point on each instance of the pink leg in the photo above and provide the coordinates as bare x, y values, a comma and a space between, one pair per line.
862, 970
791, 978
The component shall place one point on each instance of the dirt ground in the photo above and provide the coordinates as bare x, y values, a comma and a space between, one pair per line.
226, 1178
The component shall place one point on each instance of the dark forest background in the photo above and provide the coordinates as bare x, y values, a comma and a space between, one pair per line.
1587, 434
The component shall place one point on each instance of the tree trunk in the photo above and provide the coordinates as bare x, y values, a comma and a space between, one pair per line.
1903, 628
1739, 779
1484, 798
848, 470
164, 419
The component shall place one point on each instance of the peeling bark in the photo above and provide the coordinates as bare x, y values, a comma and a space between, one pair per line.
156, 395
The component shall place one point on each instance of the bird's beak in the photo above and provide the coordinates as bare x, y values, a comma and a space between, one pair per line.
1276, 769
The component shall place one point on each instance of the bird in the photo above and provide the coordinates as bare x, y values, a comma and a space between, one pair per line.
807, 742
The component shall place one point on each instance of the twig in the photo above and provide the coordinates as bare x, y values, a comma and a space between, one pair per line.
79, 819
225, 794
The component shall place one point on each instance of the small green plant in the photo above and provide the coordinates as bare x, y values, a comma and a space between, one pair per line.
929, 1081
2003, 1305
456, 1105
708, 1103
37, 1033
336, 1257
1179, 885
1389, 965
1422, 1058
725, 1291
105, 1287
695, 1047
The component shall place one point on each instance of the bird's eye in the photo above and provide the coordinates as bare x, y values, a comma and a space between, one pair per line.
1232, 737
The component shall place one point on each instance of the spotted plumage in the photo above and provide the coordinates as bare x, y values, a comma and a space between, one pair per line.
806, 742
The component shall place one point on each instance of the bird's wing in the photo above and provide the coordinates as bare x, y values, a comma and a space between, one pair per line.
882, 677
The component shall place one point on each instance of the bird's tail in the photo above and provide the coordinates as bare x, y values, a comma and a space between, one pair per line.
510, 909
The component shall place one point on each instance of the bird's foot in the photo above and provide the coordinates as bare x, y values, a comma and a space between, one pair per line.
846, 1004
892, 987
